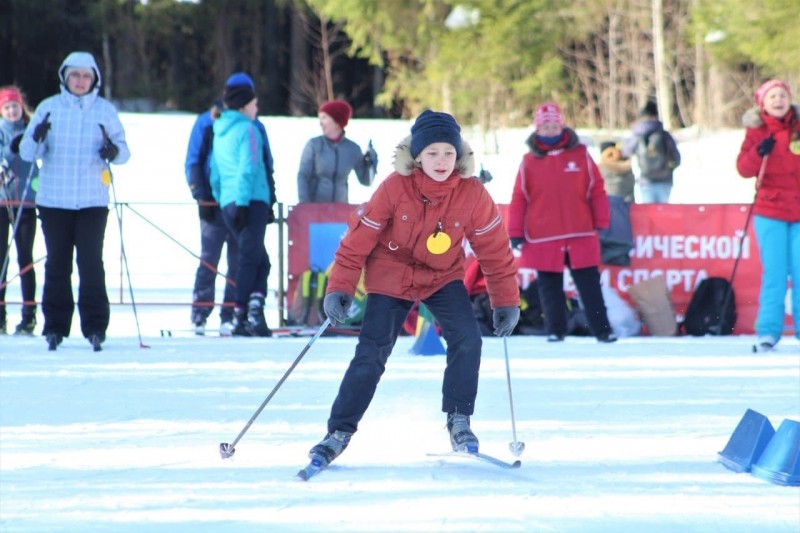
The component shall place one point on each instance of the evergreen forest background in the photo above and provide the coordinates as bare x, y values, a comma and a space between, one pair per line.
489, 62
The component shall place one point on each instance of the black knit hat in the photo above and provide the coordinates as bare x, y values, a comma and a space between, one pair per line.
650, 109
238, 96
432, 127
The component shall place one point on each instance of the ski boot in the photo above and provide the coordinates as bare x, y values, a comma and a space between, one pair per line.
330, 447
53, 340
96, 340
27, 325
240, 323
257, 324
462, 439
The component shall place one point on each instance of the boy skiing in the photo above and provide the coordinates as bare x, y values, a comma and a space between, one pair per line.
408, 239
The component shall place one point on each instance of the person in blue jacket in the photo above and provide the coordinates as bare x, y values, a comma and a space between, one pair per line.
77, 134
240, 184
214, 233
20, 180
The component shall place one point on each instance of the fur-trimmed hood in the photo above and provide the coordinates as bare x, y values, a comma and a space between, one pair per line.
404, 164
752, 117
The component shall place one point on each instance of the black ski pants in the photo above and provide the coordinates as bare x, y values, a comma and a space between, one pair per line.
253, 263
214, 234
383, 321
81, 230
23, 242
554, 300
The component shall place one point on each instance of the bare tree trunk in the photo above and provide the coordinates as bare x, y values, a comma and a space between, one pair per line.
108, 74
299, 68
662, 82
327, 62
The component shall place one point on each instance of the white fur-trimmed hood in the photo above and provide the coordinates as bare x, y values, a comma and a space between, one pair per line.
404, 164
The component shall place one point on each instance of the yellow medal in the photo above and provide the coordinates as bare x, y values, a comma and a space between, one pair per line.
439, 242
105, 177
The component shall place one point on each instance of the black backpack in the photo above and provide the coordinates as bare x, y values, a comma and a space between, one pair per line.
653, 158
706, 307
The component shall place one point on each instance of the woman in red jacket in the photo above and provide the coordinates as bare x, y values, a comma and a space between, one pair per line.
558, 204
409, 240
772, 139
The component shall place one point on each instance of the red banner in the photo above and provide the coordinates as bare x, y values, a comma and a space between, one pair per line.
683, 243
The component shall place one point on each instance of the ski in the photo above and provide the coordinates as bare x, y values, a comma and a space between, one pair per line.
316, 466
481, 457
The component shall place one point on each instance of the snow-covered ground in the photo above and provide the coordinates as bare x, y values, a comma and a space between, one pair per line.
620, 437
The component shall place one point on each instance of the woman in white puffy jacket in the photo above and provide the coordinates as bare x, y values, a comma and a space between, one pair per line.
76, 134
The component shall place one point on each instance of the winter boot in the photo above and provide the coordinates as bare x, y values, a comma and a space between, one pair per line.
96, 340
53, 340
461, 436
255, 316
240, 324
27, 325
330, 447
3, 327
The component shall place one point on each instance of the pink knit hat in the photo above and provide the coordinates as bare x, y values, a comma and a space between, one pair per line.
549, 112
762, 91
10, 94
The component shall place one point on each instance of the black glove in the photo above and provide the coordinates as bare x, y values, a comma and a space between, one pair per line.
240, 219
109, 151
505, 320
206, 212
15, 144
517, 242
41, 129
336, 305
766, 146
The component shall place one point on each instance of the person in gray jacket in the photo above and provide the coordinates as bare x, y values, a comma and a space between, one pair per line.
328, 159
77, 135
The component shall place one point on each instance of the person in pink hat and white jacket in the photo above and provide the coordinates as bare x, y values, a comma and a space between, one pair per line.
771, 153
558, 204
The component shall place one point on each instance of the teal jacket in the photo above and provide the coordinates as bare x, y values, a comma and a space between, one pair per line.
238, 174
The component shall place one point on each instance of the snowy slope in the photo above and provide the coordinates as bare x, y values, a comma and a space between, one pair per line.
618, 437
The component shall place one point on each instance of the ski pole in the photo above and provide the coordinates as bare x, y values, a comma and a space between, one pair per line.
227, 450
205, 263
516, 447
729, 289
21, 273
17, 217
117, 209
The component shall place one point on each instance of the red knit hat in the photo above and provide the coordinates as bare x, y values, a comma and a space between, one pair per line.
762, 91
339, 110
10, 94
549, 112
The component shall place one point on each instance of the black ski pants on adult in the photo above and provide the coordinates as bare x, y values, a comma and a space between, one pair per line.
554, 301
383, 321
81, 230
214, 234
253, 263
23, 242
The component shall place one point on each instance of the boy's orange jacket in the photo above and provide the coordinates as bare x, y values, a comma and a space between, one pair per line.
388, 236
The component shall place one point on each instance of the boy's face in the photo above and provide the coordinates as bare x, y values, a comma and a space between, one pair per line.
776, 102
438, 160
12, 111
80, 81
